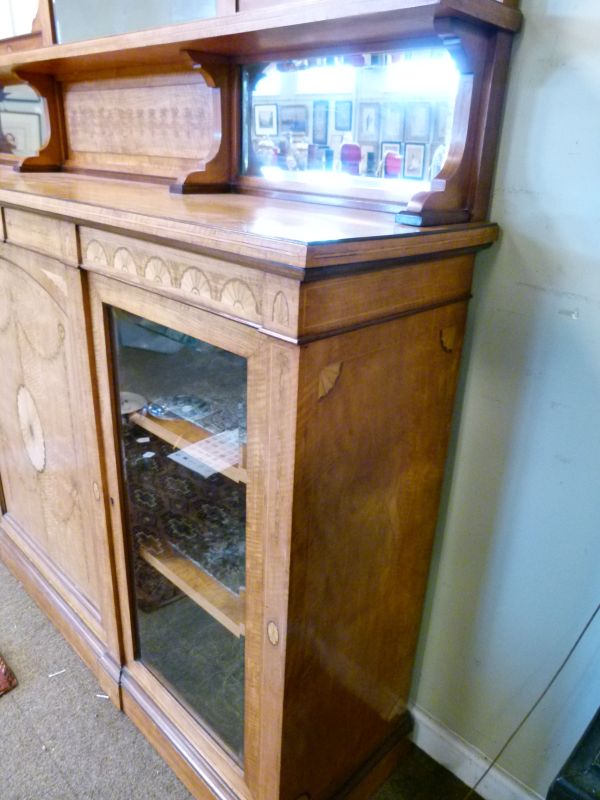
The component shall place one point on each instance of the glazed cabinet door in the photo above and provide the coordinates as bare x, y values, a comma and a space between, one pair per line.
49, 462
184, 414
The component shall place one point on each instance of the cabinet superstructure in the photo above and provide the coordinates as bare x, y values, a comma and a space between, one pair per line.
225, 417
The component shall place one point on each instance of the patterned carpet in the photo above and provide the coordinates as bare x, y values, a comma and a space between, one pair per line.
203, 518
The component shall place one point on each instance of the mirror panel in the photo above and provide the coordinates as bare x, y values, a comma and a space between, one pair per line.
350, 124
76, 20
23, 123
16, 17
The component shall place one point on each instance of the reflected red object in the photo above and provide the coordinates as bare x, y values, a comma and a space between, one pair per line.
392, 166
350, 158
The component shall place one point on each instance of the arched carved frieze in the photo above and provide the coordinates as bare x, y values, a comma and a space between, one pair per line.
238, 296
123, 261
281, 310
96, 254
156, 270
194, 281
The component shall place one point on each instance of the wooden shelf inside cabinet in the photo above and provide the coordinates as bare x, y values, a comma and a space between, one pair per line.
181, 434
211, 595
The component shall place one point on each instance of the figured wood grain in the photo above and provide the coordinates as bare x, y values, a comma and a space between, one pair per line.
49, 456
275, 233
349, 301
152, 124
368, 472
52, 237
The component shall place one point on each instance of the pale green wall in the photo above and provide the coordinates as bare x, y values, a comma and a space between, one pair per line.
517, 565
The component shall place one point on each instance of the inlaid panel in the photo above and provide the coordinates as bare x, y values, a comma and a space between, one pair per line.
53, 237
263, 299
152, 124
43, 459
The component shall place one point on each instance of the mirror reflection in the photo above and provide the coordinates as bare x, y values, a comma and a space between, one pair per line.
76, 20
16, 17
373, 120
22, 120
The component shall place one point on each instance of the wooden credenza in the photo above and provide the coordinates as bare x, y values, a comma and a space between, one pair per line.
351, 376
224, 409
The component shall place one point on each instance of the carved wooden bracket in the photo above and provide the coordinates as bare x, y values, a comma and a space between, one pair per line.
216, 176
461, 191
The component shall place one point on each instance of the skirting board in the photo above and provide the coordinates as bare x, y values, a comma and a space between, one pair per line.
464, 760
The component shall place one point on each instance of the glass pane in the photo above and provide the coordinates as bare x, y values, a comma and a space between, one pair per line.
350, 124
16, 17
87, 19
22, 120
183, 444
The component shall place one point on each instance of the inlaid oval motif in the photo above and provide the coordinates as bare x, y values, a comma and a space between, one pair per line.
157, 272
31, 429
124, 262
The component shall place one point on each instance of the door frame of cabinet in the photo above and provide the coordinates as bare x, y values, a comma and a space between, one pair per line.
272, 390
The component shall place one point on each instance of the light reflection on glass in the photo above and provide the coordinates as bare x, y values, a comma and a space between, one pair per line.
353, 122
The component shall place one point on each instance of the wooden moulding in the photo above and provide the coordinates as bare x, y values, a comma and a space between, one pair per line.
276, 28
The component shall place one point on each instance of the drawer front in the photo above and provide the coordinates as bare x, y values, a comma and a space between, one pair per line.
52, 237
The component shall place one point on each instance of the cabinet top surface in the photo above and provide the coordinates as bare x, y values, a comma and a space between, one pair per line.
284, 232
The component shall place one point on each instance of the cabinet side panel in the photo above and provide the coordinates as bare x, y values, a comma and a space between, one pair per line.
374, 414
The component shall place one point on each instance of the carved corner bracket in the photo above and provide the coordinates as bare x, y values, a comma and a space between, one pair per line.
460, 193
214, 172
51, 155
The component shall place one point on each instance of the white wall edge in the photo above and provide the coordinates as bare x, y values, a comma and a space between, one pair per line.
465, 761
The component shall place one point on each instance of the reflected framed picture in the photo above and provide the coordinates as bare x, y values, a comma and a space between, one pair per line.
442, 122
320, 121
293, 119
265, 120
391, 147
417, 126
343, 115
368, 122
392, 122
414, 161
22, 130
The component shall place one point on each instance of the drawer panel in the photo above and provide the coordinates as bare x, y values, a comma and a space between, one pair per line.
52, 237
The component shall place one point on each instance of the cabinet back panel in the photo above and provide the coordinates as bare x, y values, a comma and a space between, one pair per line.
159, 125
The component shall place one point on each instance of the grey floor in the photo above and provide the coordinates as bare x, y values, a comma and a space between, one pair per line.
60, 739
